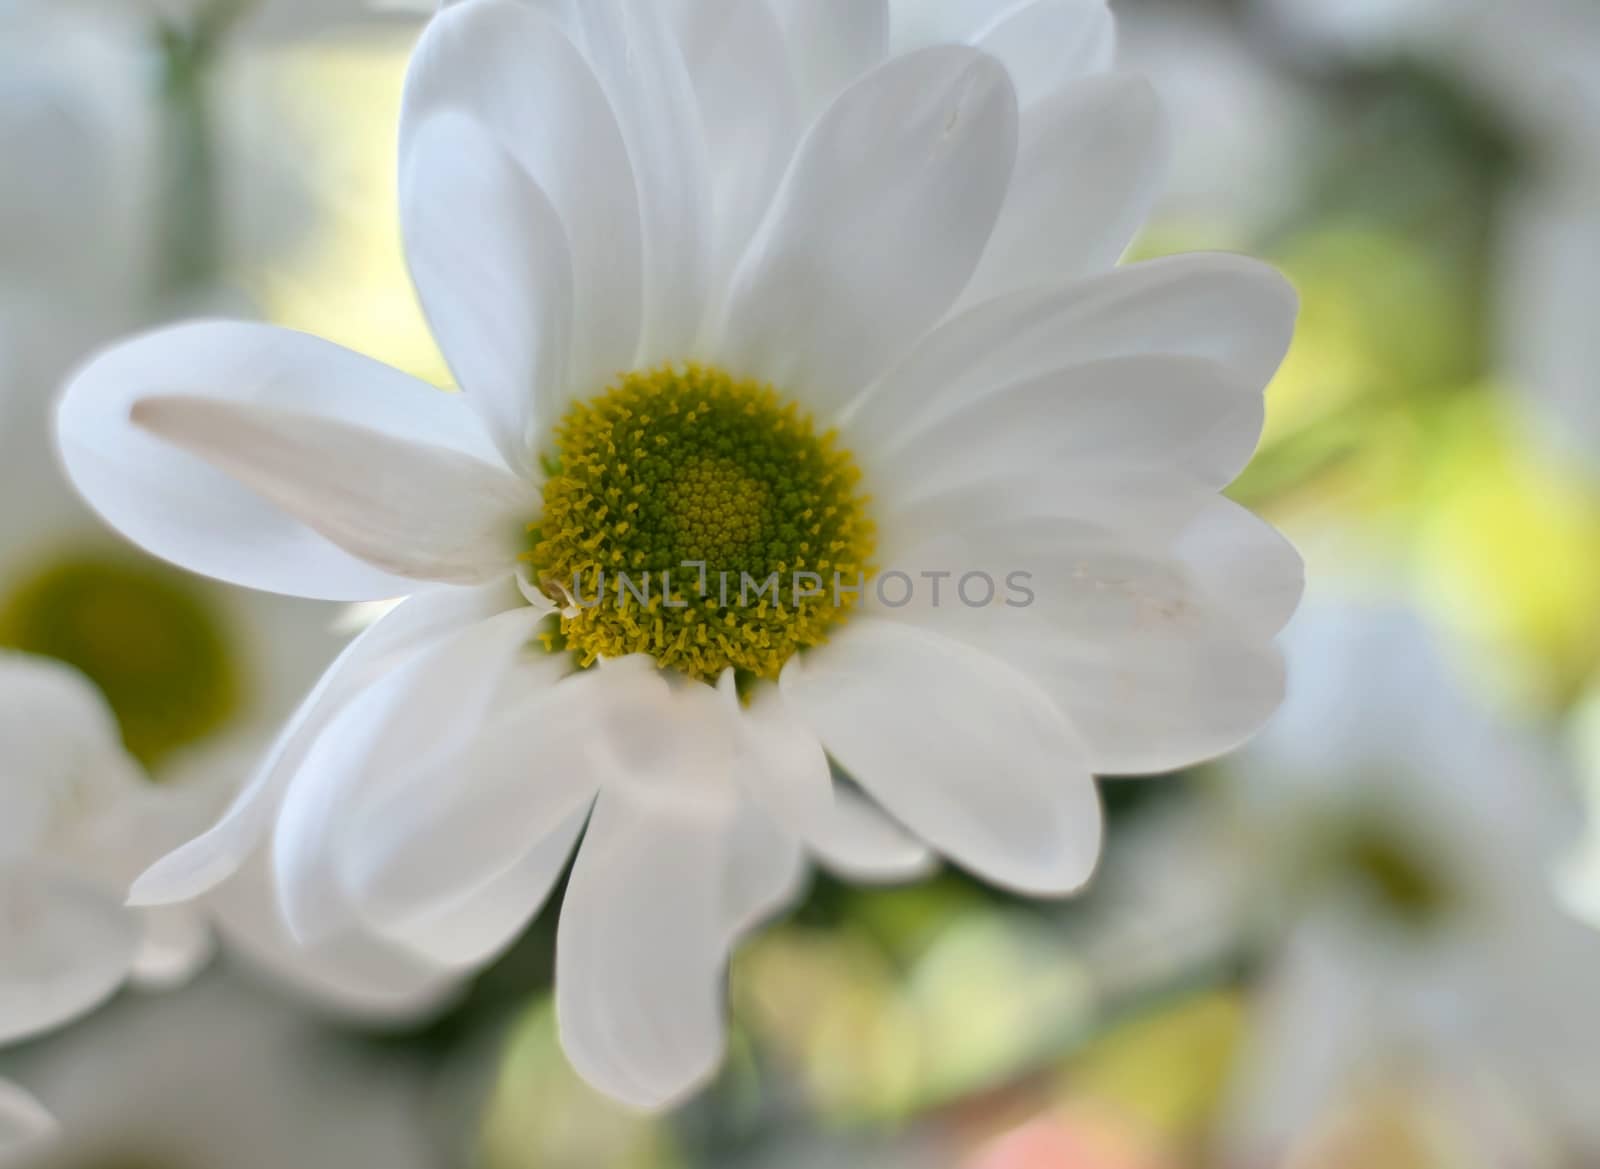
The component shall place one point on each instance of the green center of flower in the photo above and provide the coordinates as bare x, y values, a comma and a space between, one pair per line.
142, 634
701, 520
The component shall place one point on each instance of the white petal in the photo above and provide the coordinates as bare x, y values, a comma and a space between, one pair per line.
1225, 308
1048, 42
65, 948
831, 44
640, 950
59, 746
427, 709
470, 931
1149, 412
766, 871
1090, 163
185, 511
781, 763
514, 70
878, 226
449, 829
214, 856
642, 71
1246, 566
961, 748
739, 64
352, 976
411, 509
25, 1125
177, 944
494, 273
859, 843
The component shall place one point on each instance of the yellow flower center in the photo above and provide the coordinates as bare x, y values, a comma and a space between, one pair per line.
142, 634
701, 520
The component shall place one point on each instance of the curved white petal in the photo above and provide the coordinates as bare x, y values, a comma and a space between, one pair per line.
640, 67
877, 227
353, 976
59, 747
430, 708
1226, 308
493, 270
739, 63
1249, 569
449, 828
766, 871
471, 930
859, 843
1048, 42
411, 509
641, 947
218, 853
183, 510
958, 746
1149, 412
177, 944
781, 761
831, 43
512, 68
26, 1126
65, 948
1090, 163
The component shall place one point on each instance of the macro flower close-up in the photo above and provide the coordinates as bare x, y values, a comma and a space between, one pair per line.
805, 346
759, 584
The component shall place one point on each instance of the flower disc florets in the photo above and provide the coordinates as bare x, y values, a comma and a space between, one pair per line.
701, 520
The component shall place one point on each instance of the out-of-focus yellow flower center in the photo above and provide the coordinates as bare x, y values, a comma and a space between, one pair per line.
142, 634
701, 520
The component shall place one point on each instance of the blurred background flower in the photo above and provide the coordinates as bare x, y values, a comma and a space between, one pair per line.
1369, 940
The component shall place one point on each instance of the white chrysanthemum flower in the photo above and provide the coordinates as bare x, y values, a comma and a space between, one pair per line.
1395, 842
762, 287
216, 1076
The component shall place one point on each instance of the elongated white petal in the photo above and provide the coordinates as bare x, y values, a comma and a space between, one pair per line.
217, 854
1226, 308
766, 871
1047, 43
64, 949
1090, 162
470, 931
59, 747
831, 43
353, 976
1151, 412
415, 510
638, 62
641, 948
1246, 565
859, 843
448, 829
739, 63
184, 510
961, 748
428, 708
866, 247
781, 762
493, 269
176, 944
26, 1126
512, 68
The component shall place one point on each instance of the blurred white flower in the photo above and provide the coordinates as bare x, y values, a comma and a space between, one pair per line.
917, 246
219, 1076
1396, 840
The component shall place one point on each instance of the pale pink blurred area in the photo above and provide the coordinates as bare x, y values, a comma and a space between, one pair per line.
1068, 1141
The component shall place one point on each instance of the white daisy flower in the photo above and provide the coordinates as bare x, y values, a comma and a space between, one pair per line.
1399, 840
767, 289
217, 1076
